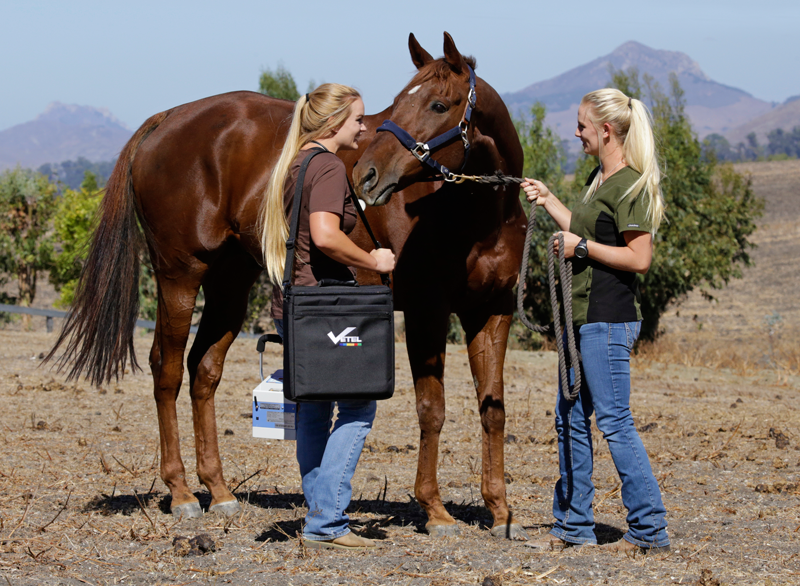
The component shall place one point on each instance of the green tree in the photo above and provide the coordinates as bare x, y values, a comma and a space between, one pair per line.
717, 146
74, 224
711, 209
784, 144
278, 84
27, 204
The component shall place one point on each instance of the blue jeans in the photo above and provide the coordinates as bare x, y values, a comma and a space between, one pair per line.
328, 458
605, 350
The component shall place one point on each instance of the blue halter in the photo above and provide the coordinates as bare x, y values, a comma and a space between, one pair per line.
422, 150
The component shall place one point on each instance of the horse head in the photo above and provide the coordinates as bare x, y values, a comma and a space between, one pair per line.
436, 103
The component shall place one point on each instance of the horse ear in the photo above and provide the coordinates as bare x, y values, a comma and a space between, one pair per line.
452, 55
419, 56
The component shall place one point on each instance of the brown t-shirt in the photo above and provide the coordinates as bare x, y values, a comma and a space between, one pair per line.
325, 189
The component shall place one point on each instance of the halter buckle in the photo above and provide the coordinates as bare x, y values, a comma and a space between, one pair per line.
421, 152
472, 97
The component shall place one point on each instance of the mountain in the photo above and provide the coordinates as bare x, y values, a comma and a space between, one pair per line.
785, 116
63, 132
711, 106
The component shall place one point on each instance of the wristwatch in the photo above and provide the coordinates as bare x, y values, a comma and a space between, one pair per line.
581, 251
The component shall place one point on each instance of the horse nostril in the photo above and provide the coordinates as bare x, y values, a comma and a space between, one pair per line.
369, 180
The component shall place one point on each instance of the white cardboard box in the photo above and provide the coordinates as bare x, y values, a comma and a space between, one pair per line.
273, 415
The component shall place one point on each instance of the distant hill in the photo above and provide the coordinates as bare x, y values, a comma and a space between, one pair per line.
785, 116
61, 133
711, 106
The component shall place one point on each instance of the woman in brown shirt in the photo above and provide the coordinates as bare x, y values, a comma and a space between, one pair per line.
330, 117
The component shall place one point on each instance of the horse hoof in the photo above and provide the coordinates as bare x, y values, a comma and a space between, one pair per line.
229, 508
187, 511
442, 530
515, 532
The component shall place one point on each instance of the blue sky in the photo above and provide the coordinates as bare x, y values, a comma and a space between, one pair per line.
138, 58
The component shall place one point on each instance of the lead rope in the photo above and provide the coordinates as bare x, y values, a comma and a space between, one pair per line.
565, 279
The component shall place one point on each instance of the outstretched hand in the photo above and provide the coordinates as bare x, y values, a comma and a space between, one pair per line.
535, 191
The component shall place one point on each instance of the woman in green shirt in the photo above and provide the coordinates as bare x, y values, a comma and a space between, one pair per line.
609, 236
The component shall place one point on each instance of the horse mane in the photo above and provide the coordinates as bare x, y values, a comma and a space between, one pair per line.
439, 70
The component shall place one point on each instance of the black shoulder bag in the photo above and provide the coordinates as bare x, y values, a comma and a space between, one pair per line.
338, 340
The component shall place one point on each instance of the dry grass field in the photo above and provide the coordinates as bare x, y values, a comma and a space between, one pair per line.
755, 321
716, 401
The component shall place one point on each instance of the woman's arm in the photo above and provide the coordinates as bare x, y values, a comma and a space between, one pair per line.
635, 257
329, 238
536, 191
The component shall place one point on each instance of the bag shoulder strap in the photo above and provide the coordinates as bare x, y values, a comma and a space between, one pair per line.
294, 225
385, 279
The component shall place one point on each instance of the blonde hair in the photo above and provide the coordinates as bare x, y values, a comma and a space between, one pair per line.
316, 115
633, 125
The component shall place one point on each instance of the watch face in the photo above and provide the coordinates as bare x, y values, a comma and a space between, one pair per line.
581, 251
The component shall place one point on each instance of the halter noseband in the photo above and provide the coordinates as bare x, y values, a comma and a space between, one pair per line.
422, 150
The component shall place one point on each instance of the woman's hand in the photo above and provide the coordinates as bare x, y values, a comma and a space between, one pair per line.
329, 238
384, 259
570, 242
535, 191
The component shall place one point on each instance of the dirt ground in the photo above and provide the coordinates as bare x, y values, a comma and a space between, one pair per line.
81, 501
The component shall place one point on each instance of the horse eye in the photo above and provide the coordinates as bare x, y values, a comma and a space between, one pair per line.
438, 107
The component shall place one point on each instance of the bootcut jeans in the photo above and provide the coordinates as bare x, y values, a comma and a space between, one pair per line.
328, 457
605, 351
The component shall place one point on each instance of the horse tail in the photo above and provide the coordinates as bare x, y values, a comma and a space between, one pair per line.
99, 329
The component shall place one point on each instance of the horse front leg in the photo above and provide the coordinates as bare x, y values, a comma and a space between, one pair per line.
426, 333
176, 301
487, 338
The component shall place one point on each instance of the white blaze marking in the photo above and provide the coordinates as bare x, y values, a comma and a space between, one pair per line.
413, 90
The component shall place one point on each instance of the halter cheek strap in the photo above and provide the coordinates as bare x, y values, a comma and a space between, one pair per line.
422, 150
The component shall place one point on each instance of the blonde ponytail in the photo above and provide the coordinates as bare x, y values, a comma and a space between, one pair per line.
316, 115
633, 125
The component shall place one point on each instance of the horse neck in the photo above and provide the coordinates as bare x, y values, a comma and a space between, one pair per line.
493, 120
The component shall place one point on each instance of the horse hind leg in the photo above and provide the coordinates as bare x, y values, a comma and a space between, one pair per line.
426, 335
176, 299
487, 337
226, 287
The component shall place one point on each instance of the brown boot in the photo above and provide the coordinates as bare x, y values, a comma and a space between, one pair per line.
346, 541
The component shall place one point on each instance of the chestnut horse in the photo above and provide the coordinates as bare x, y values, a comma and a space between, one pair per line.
195, 177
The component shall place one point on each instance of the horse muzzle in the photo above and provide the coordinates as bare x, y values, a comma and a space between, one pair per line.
371, 187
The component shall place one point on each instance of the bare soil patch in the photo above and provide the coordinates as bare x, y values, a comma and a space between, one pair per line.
81, 501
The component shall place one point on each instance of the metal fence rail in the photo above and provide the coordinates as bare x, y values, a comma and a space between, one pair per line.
51, 313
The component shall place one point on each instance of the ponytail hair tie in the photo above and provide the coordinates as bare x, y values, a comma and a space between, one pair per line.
630, 103
307, 98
